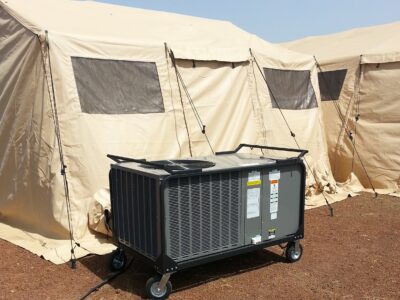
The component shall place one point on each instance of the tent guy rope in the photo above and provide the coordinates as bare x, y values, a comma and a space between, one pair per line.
53, 105
191, 102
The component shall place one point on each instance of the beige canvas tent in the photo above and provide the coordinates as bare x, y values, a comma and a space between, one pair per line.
359, 77
80, 80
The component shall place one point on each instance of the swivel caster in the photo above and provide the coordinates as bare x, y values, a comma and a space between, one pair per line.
117, 260
159, 287
294, 251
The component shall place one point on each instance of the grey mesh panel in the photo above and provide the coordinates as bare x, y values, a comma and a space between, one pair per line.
203, 214
117, 86
291, 89
331, 83
134, 212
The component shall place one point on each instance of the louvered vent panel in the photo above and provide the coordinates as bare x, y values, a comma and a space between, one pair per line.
204, 214
134, 211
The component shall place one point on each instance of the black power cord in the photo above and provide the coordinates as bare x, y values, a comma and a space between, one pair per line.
106, 280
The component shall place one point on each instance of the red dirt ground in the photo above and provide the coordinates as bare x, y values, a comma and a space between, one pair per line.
354, 255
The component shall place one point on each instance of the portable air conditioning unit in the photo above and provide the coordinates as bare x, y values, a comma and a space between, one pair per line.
181, 213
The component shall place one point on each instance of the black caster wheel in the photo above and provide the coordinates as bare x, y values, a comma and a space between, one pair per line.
293, 254
154, 292
117, 260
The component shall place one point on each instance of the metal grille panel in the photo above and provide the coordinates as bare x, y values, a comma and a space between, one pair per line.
135, 211
203, 214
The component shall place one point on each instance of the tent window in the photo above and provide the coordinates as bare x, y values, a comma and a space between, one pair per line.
117, 86
331, 83
291, 89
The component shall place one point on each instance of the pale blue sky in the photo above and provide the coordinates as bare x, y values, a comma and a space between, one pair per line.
282, 20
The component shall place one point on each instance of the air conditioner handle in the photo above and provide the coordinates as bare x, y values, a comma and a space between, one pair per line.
301, 152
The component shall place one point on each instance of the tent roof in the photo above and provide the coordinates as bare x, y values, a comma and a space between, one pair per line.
106, 22
376, 44
89, 18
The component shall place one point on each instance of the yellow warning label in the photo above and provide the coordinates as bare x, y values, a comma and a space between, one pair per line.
254, 182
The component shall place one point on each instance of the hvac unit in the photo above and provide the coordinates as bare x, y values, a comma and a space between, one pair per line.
181, 213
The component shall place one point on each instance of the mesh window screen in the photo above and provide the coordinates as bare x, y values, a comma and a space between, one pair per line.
291, 89
117, 86
331, 83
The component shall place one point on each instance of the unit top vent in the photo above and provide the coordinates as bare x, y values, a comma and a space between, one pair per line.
180, 165
210, 164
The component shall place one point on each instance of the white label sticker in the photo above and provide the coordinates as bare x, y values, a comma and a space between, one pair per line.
254, 176
275, 175
273, 208
274, 197
253, 203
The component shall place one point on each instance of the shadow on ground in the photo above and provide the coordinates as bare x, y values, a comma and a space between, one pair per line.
133, 279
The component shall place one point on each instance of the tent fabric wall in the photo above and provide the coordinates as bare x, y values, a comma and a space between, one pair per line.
379, 125
305, 123
32, 205
369, 103
26, 133
220, 106
218, 70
